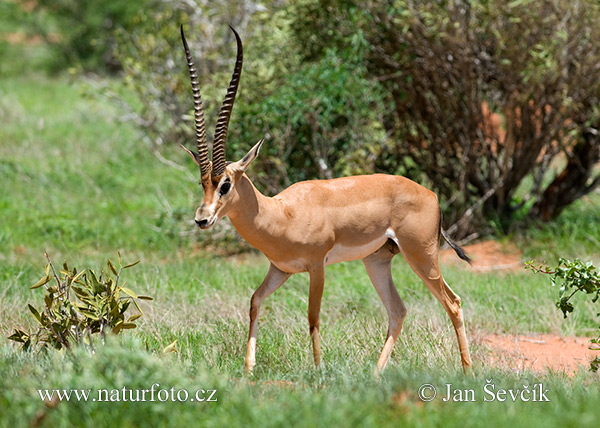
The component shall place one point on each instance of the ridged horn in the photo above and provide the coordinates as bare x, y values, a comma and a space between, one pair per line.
198, 112
225, 113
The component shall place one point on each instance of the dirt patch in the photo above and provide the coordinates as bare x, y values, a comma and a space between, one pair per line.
30, 40
487, 256
540, 353
26, 5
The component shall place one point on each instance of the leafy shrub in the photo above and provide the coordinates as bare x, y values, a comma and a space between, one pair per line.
80, 304
482, 96
574, 277
320, 117
83, 32
155, 67
321, 122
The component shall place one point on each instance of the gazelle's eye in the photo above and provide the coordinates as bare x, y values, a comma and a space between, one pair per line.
225, 188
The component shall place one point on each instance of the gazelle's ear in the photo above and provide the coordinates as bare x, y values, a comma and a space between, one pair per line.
192, 154
244, 163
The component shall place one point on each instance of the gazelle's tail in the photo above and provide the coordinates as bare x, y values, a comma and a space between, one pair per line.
459, 251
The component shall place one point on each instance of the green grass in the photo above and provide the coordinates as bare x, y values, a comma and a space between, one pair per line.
575, 234
78, 182
338, 396
80, 178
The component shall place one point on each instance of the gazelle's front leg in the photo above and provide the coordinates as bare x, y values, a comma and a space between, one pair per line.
274, 279
317, 281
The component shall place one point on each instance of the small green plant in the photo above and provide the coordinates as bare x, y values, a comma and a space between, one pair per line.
574, 277
79, 304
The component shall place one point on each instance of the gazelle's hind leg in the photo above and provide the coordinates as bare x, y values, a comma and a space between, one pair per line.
423, 259
379, 269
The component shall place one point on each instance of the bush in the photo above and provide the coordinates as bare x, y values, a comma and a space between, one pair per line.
575, 277
482, 98
320, 117
78, 305
82, 32
321, 122
155, 67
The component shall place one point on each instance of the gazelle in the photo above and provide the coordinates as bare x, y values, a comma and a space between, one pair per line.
313, 224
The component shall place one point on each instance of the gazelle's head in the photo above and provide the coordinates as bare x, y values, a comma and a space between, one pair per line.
218, 178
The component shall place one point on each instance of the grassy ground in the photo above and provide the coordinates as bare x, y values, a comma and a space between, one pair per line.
81, 184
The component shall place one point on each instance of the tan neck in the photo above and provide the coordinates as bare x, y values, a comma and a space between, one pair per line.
254, 215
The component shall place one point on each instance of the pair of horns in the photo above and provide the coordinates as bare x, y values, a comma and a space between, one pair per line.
219, 162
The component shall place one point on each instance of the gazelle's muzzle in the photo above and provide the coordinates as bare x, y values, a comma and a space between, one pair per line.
206, 223
206, 216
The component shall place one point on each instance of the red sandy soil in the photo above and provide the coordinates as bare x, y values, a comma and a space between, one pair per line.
538, 353
541, 353
31, 40
487, 256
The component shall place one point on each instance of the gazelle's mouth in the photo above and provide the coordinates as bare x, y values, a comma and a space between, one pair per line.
206, 223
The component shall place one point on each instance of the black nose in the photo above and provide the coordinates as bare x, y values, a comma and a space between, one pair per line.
201, 223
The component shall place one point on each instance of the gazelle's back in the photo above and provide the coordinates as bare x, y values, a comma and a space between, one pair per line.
356, 204
356, 190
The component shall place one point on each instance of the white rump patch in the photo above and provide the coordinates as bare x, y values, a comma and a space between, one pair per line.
391, 235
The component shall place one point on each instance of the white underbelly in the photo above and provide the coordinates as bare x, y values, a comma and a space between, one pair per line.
343, 253
339, 253
291, 266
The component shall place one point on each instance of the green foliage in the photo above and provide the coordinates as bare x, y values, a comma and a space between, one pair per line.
80, 177
82, 32
320, 118
574, 277
79, 304
155, 68
13, 17
481, 97
321, 122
